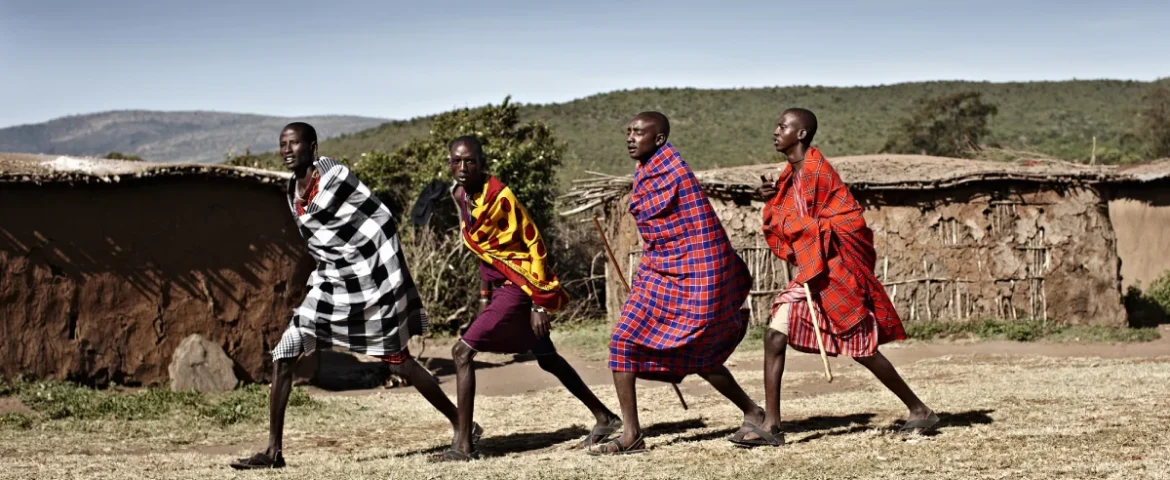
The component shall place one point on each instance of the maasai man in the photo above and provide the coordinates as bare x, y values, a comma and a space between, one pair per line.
684, 313
812, 221
518, 291
361, 296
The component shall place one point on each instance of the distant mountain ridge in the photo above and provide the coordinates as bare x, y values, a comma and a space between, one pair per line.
181, 136
728, 127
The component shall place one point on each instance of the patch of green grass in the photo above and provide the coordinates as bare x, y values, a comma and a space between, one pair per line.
1027, 331
589, 339
17, 421
60, 400
1097, 333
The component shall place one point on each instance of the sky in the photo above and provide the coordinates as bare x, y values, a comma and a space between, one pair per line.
398, 59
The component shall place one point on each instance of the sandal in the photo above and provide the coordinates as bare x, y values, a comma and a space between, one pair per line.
764, 438
921, 426
601, 433
258, 461
452, 455
614, 447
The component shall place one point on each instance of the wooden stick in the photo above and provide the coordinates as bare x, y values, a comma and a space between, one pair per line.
812, 310
613, 261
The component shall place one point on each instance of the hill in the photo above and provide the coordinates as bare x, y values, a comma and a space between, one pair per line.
203, 137
719, 128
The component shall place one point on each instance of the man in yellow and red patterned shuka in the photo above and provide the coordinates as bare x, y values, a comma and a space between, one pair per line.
518, 292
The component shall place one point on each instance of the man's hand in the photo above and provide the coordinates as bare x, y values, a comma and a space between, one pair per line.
540, 322
767, 188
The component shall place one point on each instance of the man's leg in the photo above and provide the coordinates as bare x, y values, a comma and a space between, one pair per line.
552, 362
272, 457
465, 379
428, 386
725, 383
278, 403
885, 372
624, 383
775, 344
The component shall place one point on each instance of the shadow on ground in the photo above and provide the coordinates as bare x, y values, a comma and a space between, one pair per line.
340, 371
829, 426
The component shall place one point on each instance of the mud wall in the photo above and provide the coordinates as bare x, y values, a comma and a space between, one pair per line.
995, 250
1141, 218
100, 283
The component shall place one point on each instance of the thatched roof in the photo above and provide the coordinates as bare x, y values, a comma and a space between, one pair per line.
879, 172
45, 169
1146, 172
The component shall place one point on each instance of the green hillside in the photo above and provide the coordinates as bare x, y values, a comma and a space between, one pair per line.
717, 128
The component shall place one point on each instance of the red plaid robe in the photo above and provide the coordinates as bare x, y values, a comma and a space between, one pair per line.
683, 315
829, 242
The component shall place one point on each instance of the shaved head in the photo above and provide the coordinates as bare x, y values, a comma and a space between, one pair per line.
308, 133
658, 119
647, 133
471, 142
805, 119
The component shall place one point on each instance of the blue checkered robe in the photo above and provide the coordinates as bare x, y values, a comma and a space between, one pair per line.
684, 312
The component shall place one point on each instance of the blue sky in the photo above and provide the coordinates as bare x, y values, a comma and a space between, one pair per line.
403, 59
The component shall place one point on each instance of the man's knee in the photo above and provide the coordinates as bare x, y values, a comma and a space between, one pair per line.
549, 362
775, 341
461, 353
866, 361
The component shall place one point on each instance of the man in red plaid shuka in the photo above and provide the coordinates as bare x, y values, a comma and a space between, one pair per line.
812, 221
684, 312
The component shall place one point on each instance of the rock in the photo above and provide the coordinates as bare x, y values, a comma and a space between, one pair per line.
200, 365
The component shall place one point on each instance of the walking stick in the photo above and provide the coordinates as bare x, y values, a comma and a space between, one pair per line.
812, 310
616, 268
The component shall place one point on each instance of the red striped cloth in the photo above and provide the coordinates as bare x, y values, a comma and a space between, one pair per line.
862, 341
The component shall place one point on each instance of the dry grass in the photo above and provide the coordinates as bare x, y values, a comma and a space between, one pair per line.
1004, 417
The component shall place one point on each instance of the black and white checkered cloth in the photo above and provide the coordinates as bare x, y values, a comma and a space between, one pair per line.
361, 296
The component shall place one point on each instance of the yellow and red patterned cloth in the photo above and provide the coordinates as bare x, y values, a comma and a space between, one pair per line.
501, 233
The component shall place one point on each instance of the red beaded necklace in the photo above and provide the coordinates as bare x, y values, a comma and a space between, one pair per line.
310, 192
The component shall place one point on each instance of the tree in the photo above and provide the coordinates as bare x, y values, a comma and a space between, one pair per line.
1154, 122
122, 156
947, 126
524, 155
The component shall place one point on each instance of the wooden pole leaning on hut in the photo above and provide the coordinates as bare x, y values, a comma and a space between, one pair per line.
812, 310
613, 261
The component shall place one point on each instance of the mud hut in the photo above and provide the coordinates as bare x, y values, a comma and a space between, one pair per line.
956, 239
105, 266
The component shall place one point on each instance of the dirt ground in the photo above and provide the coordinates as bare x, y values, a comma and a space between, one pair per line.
1009, 410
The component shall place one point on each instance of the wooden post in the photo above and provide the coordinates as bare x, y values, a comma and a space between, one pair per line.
1093, 158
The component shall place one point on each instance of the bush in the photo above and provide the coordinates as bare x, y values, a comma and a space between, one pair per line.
525, 156
948, 126
1150, 307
